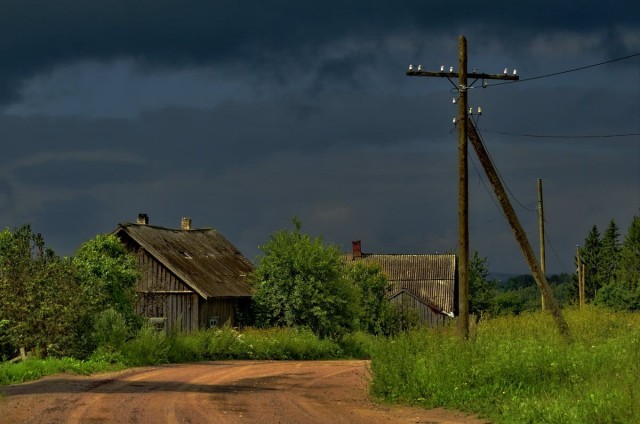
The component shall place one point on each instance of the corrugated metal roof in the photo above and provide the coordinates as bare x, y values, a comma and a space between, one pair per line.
429, 277
202, 258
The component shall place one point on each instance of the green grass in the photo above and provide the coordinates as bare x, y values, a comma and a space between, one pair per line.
33, 369
519, 370
152, 348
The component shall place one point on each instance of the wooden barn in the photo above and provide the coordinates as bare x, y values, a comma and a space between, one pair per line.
426, 283
191, 278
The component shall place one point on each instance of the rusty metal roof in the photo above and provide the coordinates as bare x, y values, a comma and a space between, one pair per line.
202, 258
431, 278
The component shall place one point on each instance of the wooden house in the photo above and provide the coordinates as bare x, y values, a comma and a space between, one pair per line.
424, 282
191, 278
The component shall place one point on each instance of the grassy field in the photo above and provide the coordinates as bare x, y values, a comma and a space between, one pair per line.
519, 370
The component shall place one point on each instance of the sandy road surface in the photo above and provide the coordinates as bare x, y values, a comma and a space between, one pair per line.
212, 392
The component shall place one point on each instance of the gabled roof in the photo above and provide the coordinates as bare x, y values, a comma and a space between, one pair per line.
432, 278
202, 258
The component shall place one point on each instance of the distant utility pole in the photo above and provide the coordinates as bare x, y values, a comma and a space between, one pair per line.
582, 276
541, 228
518, 231
463, 172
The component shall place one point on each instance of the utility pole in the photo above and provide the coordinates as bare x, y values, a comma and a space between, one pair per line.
541, 228
581, 270
521, 236
463, 195
463, 172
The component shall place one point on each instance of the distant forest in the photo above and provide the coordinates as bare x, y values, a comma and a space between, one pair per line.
612, 277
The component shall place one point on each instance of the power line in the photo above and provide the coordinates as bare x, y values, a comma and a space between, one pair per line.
546, 236
473, 162
502, 179
564, 72
562, 136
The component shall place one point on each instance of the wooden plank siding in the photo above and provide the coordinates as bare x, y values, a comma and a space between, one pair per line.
224, 309
405, 301
162, 295
188, 276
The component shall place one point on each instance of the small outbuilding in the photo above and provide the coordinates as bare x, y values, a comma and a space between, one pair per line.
427, 283
191, 279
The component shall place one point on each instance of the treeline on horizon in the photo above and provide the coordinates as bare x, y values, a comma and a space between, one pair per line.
612, 277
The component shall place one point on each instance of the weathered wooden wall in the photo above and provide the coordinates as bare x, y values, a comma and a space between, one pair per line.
426, 314
162, 295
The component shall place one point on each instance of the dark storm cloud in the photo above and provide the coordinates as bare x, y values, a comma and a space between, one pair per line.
40, 34
243, 115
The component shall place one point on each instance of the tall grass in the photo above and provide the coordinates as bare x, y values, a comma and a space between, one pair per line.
32, 369
151, 348
519, 370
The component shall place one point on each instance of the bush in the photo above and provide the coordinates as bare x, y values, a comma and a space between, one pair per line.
110, 330
149, 347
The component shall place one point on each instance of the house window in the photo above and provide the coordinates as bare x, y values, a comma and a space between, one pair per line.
159, 324
214, 321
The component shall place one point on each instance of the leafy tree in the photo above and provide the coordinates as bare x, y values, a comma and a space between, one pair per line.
517, 282
299, 282
481, 287
40, 299
509, 302
373, 285
562, 287
108, 274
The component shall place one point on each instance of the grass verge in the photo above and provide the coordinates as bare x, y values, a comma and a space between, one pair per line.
519, 370
152, 348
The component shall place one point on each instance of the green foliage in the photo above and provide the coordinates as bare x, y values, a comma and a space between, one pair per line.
590, 255
519, 369
630, 257
373, 284
49, 303
622, 292
298, 282
358, 345
400, 317
609, 254
39, 298
149, 347
108, 273
521, 294
227, 343
110, 330
33, 369
481, 287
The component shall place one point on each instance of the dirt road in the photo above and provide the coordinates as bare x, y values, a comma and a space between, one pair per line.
263, 392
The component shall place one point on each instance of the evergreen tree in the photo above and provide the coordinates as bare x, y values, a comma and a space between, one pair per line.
630, 257
609, 255
590, 255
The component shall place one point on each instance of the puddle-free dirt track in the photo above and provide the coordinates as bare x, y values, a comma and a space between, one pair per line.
266, 392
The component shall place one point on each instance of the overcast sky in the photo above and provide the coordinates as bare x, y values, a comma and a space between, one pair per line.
243, 115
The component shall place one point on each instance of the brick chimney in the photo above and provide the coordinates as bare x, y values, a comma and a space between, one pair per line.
143, 219
185, 224
357, 249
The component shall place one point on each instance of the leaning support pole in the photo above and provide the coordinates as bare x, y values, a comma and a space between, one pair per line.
521, 237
